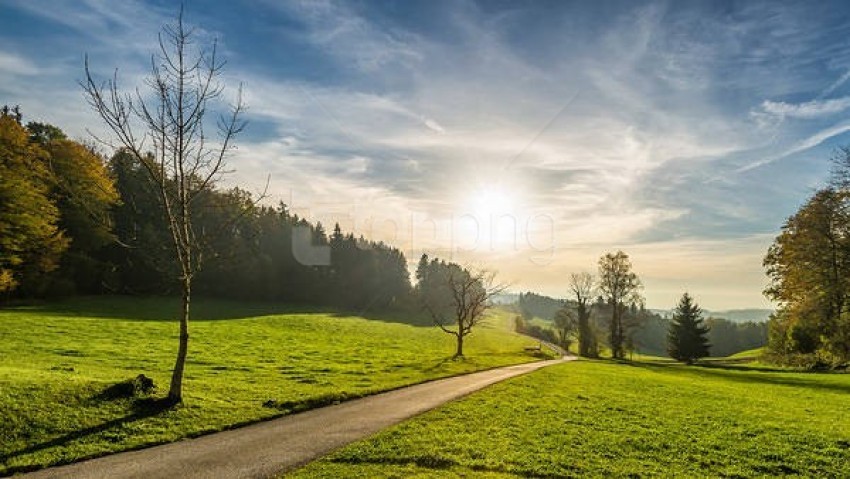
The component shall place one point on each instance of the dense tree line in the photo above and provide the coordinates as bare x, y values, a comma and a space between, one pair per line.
76, 223
726, 337
535, 305
729, 337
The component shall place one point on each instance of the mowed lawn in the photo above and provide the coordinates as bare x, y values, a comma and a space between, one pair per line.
245, 365
604, 419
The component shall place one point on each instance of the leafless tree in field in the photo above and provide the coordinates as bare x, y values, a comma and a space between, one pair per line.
468, 295
164, 129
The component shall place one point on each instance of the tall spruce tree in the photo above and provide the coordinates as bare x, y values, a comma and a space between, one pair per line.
686, 338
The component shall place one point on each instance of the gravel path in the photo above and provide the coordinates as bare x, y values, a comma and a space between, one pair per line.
270, 447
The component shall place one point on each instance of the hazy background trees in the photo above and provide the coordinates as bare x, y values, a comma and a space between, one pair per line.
566, 326
537, 305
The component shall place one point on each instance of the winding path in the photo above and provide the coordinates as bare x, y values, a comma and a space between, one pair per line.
267, 448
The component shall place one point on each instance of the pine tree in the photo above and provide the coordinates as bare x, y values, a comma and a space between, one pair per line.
422, 271
686, 338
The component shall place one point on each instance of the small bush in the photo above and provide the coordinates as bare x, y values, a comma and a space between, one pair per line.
139, 386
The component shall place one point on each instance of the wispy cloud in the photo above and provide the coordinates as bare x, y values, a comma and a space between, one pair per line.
13, 65
807, 110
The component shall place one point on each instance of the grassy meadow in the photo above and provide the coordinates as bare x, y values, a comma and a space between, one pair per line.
608, 419
246, 363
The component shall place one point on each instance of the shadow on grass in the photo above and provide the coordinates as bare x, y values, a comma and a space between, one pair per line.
442, 362
164, 308
746, 374
398, 317
438, 463
142, 409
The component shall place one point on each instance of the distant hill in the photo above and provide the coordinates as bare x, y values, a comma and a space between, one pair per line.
734, 315
742, 315
506, 298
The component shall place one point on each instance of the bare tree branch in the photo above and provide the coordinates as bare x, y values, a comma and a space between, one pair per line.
173, 148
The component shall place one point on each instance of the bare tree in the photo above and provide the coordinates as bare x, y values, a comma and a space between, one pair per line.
583, 289
621, 287
467, 295
164, 130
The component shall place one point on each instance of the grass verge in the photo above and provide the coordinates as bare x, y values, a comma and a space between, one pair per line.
608, 419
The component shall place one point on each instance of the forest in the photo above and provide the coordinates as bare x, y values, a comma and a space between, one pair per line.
76, 223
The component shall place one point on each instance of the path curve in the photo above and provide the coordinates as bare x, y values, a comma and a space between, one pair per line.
267, 448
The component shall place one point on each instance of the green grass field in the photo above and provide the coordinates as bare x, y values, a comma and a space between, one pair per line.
245, 364
607, 419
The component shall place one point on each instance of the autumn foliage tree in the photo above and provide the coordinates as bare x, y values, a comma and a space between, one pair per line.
809, 269
31, 242
56, 197
620, 286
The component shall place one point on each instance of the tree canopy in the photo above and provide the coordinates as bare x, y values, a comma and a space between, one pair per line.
809, 269
621, 288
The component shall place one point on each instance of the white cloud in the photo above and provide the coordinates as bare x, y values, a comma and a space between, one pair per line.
808, 110
12, 64
433, 125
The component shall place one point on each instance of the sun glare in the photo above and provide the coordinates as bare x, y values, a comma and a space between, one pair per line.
489, 219
489, 202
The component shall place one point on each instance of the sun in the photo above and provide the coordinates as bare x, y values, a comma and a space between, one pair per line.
489, 220
492, 202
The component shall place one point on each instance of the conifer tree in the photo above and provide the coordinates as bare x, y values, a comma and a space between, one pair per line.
686, 338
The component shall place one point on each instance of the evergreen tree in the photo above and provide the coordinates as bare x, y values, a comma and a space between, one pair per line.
686, 338
422, 271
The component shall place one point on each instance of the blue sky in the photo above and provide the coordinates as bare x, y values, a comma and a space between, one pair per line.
530, 137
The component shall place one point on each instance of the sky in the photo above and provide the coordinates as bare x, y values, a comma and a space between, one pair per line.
528, 137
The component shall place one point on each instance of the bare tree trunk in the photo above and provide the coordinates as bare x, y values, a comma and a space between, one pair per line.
459, 352
175, 392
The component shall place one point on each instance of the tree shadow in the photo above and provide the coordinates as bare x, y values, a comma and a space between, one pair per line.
389, 316
748, 374
442, 362
142, 409
164, 308
435, 463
